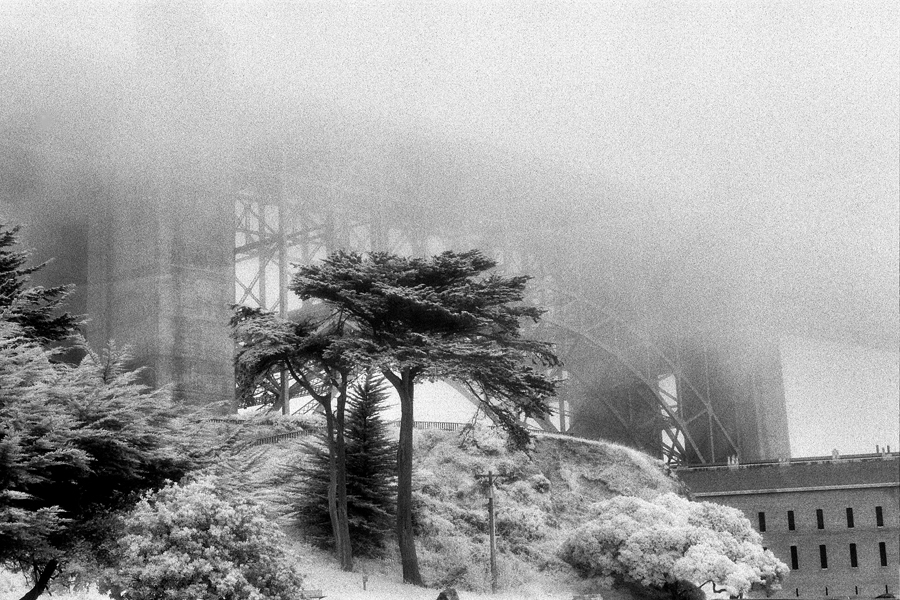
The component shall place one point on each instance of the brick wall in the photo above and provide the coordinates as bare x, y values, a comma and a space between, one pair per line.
872, 483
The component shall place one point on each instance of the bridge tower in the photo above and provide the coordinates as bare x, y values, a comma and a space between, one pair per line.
150, 254
160, 278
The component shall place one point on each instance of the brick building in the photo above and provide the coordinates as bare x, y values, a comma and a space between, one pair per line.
834, 521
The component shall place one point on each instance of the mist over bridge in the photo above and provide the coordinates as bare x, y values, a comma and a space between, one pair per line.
680, 208
161, 255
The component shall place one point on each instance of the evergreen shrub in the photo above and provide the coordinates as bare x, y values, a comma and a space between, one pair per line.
371, 479
189, 541
670, 543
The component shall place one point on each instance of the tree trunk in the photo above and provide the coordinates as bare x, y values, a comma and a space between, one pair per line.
43, 581
685, 590
405, 537
337, 465
340, 527
344, 547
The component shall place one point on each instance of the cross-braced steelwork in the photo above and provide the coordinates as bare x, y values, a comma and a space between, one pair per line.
625, 379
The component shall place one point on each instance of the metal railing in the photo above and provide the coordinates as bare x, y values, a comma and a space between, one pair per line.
439, 425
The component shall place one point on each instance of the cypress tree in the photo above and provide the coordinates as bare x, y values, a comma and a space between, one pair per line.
313, 349
438, 318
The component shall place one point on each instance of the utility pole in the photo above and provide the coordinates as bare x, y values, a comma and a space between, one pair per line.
491, 529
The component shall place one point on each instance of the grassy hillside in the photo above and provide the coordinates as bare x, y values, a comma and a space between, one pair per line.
540, 495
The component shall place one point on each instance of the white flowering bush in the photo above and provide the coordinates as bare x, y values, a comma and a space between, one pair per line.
188, 541
668, 541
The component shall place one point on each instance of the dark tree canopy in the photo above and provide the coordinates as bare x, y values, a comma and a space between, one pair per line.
35, 309
437, 318
370, 472
309, 346
77, 443
312, 348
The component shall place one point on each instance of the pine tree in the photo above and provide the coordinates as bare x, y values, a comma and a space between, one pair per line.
312, 512
77, 443
35, 309
371, 467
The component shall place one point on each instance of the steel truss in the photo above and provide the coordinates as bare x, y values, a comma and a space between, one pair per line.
282, 219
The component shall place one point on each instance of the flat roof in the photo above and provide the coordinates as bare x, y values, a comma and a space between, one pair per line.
857, 472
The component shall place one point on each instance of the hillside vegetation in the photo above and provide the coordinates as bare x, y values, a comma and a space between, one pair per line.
540, 497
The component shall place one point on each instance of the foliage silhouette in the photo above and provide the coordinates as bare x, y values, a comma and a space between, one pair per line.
371, 475
35, 309
437, 318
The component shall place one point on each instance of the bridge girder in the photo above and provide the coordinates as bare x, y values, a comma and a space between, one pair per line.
277, 224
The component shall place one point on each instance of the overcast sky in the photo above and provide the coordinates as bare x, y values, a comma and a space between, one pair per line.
840, 397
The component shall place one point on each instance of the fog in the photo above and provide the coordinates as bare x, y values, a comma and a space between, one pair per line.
741, 160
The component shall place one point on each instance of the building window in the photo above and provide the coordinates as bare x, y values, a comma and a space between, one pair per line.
791, 525
853, 562
823, 556
762, 522
820, 519
879, 517
882, 551
795, 561
849, 517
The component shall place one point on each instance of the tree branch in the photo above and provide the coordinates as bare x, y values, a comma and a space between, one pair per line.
714, 588
305, 384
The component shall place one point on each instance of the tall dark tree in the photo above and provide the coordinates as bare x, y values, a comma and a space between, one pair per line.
37, 310
310, 496
371, 474
313, 350
77, 443
438, 318
371, 466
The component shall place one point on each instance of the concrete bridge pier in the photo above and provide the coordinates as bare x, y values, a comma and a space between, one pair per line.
161, 277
